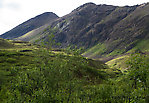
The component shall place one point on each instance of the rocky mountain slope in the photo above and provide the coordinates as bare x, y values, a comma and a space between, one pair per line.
130, 33
31, 24
101, 29
89, 24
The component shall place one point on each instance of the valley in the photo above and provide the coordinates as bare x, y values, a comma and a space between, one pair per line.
95, 54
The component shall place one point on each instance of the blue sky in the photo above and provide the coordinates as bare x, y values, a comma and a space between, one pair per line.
14, 12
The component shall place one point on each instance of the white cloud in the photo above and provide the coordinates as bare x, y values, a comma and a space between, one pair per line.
1, 3
14, 12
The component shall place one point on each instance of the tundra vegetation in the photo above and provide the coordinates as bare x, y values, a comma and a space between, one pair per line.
30, 73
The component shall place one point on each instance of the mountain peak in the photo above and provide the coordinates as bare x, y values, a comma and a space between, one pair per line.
31, 24
111, 27
47, 14
85, 5
89, 3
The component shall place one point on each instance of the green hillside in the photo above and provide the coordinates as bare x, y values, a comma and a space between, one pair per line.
5, 44
33, 73
30, 72
101, 51
95, 54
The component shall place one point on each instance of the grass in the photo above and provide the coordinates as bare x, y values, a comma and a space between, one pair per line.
5, 44
31, 73
98, 49
23, 64
119, 62
25, 55
141, 46
30, 37
27, 35
116, 52
117, 58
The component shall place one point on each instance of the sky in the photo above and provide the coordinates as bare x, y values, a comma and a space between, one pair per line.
15, 12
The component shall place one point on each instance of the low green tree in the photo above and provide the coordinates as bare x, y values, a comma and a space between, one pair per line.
138, 70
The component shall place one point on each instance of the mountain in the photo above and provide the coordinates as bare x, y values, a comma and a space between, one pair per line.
39, 73
89, 24
31, 24
102, 30
129, 34
84, 26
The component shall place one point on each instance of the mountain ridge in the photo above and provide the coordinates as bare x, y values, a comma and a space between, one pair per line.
100, 29
29, 25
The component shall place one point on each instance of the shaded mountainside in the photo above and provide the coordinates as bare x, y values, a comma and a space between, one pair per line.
131, 33
103, 30
30, 25
89, 24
